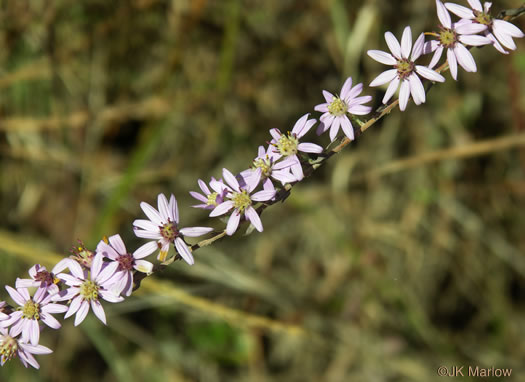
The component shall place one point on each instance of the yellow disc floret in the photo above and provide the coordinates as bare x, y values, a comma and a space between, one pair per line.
89, 290
8, 348
241, 200
264, 164
212, 199
287, 144
337, 107
31, 310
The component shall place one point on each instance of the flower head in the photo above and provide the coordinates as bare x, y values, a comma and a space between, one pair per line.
288, 145
12, 347
31, 311
405, 71
500, 32
336, 109
210, 199
268, 161
115, 250
453, 37
41, 277
241, 201
87, 287
162, 226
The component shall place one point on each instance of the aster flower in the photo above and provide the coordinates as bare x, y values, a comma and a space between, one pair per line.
87, 287
127, 262
288, 146
405, 70
336, 109
163, 227
454, 37
26, 318
210, 199
500, 32
11, 347
268, 161
241, 201
41, 277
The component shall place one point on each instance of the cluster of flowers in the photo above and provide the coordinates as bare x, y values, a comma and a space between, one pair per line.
79, 282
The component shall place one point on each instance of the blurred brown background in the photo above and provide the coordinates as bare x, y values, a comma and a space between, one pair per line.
372, 270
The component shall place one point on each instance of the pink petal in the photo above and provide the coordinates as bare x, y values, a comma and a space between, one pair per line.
74, 306
467, 28
452, 64
382, 57
346, 125
50, 321
393, 45
222, 208
475, 4
162, 203
143, 266
406, 42
459, 10
174, 208
117, 243
392, 87
16, 295
254, 218
384, 77
145, 250
233, 222
108, 251
346, 87
195, 231
82, 313
443, 15
263, 196
416, 89
151, 213
404, 94
98, 310
309, 148
465, 58
474, 40
184, 251
328, 96
429, 74
418, 47
230, 179
335, 128
507, 28
203, 187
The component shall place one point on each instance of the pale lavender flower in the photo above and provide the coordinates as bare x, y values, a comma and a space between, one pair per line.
336, 109
127, 262
454, 37
287, 145
500, 32
162, 226
87, 287
241, 201
210, 199
41, 277
26, 318
11, 347
405, 70
268, 161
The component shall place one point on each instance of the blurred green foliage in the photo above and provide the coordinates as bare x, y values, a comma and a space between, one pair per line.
107, 103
